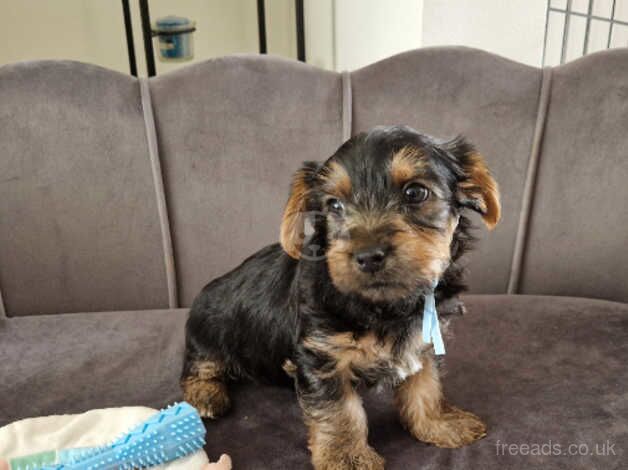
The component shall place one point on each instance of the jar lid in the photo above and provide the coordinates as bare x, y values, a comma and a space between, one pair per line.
172, 23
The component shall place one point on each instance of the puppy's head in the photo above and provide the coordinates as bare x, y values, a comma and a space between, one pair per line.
387, 205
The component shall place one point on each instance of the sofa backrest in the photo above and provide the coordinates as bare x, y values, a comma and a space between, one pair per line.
231, 133
117, 193
578, 232
79, 230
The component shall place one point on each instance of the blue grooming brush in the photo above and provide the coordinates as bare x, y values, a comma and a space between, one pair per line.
170, 434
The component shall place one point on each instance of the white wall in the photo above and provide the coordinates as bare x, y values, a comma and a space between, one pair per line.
93, 30
319, 33
511, 28
340, 34
349, 34
281, 30
369, 30
90, 31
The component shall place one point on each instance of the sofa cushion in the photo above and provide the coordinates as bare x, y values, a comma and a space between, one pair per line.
232, 131
79, 228
537, 369
578, 230
70, 363
456, 90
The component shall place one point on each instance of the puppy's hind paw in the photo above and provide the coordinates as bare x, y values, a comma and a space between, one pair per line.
351, 459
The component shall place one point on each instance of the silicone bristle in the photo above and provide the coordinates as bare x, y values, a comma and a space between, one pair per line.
172, 433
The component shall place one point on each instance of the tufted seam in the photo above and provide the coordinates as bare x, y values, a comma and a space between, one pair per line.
162, 209
530, 182
346, 106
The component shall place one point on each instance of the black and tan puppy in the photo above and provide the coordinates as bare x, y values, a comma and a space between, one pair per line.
343, 306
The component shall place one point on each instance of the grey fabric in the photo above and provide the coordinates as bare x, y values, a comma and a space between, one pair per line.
3, 312
578, 235
231, 133
164, 221
79, 229
347, 106
530, 183
445, 91
70, 363
535, 368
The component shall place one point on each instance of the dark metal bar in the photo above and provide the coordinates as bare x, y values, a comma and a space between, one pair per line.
563, 52
148, 38
128, 28
585, 46
300, 20
610, 28
547, 13
261, 26
174, 33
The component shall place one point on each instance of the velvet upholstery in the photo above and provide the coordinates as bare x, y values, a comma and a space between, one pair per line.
535, 368
70, 363
79, 229
578, 234
231, 133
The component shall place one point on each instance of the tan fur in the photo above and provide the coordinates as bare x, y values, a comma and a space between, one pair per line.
289, 368
405, 165
336, 180
342, 273
292, 225
353, 355
428, 418
426, 252
349, 352
422, 254
338, 435
205, 389
482, 187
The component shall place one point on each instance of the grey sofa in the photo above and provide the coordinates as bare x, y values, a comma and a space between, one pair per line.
120, 199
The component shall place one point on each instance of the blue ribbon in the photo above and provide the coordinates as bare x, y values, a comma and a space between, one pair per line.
431, 325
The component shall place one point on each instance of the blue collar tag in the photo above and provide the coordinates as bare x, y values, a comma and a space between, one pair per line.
431, 325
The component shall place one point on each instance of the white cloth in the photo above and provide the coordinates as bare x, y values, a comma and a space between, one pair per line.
90, 429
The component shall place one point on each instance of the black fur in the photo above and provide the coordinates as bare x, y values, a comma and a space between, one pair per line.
255, 317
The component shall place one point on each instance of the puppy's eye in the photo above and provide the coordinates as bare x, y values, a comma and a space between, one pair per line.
415, 193
335, 206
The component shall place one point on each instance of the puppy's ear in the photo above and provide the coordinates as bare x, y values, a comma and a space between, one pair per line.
477, 189
293, 223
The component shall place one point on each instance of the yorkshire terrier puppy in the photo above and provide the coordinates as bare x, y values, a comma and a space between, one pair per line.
342, 305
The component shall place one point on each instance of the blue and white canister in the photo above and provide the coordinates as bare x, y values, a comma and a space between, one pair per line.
176, 42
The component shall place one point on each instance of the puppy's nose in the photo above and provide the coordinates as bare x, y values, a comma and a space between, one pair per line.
371, 259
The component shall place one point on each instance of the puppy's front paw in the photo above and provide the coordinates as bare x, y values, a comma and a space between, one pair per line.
363, 459
367, 460
209, 397
212, 409
453, 428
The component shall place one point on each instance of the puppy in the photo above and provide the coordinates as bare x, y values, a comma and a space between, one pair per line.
343, 305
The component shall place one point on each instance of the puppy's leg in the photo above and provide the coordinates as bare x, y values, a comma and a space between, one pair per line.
428, 417
203, 384
337, 424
